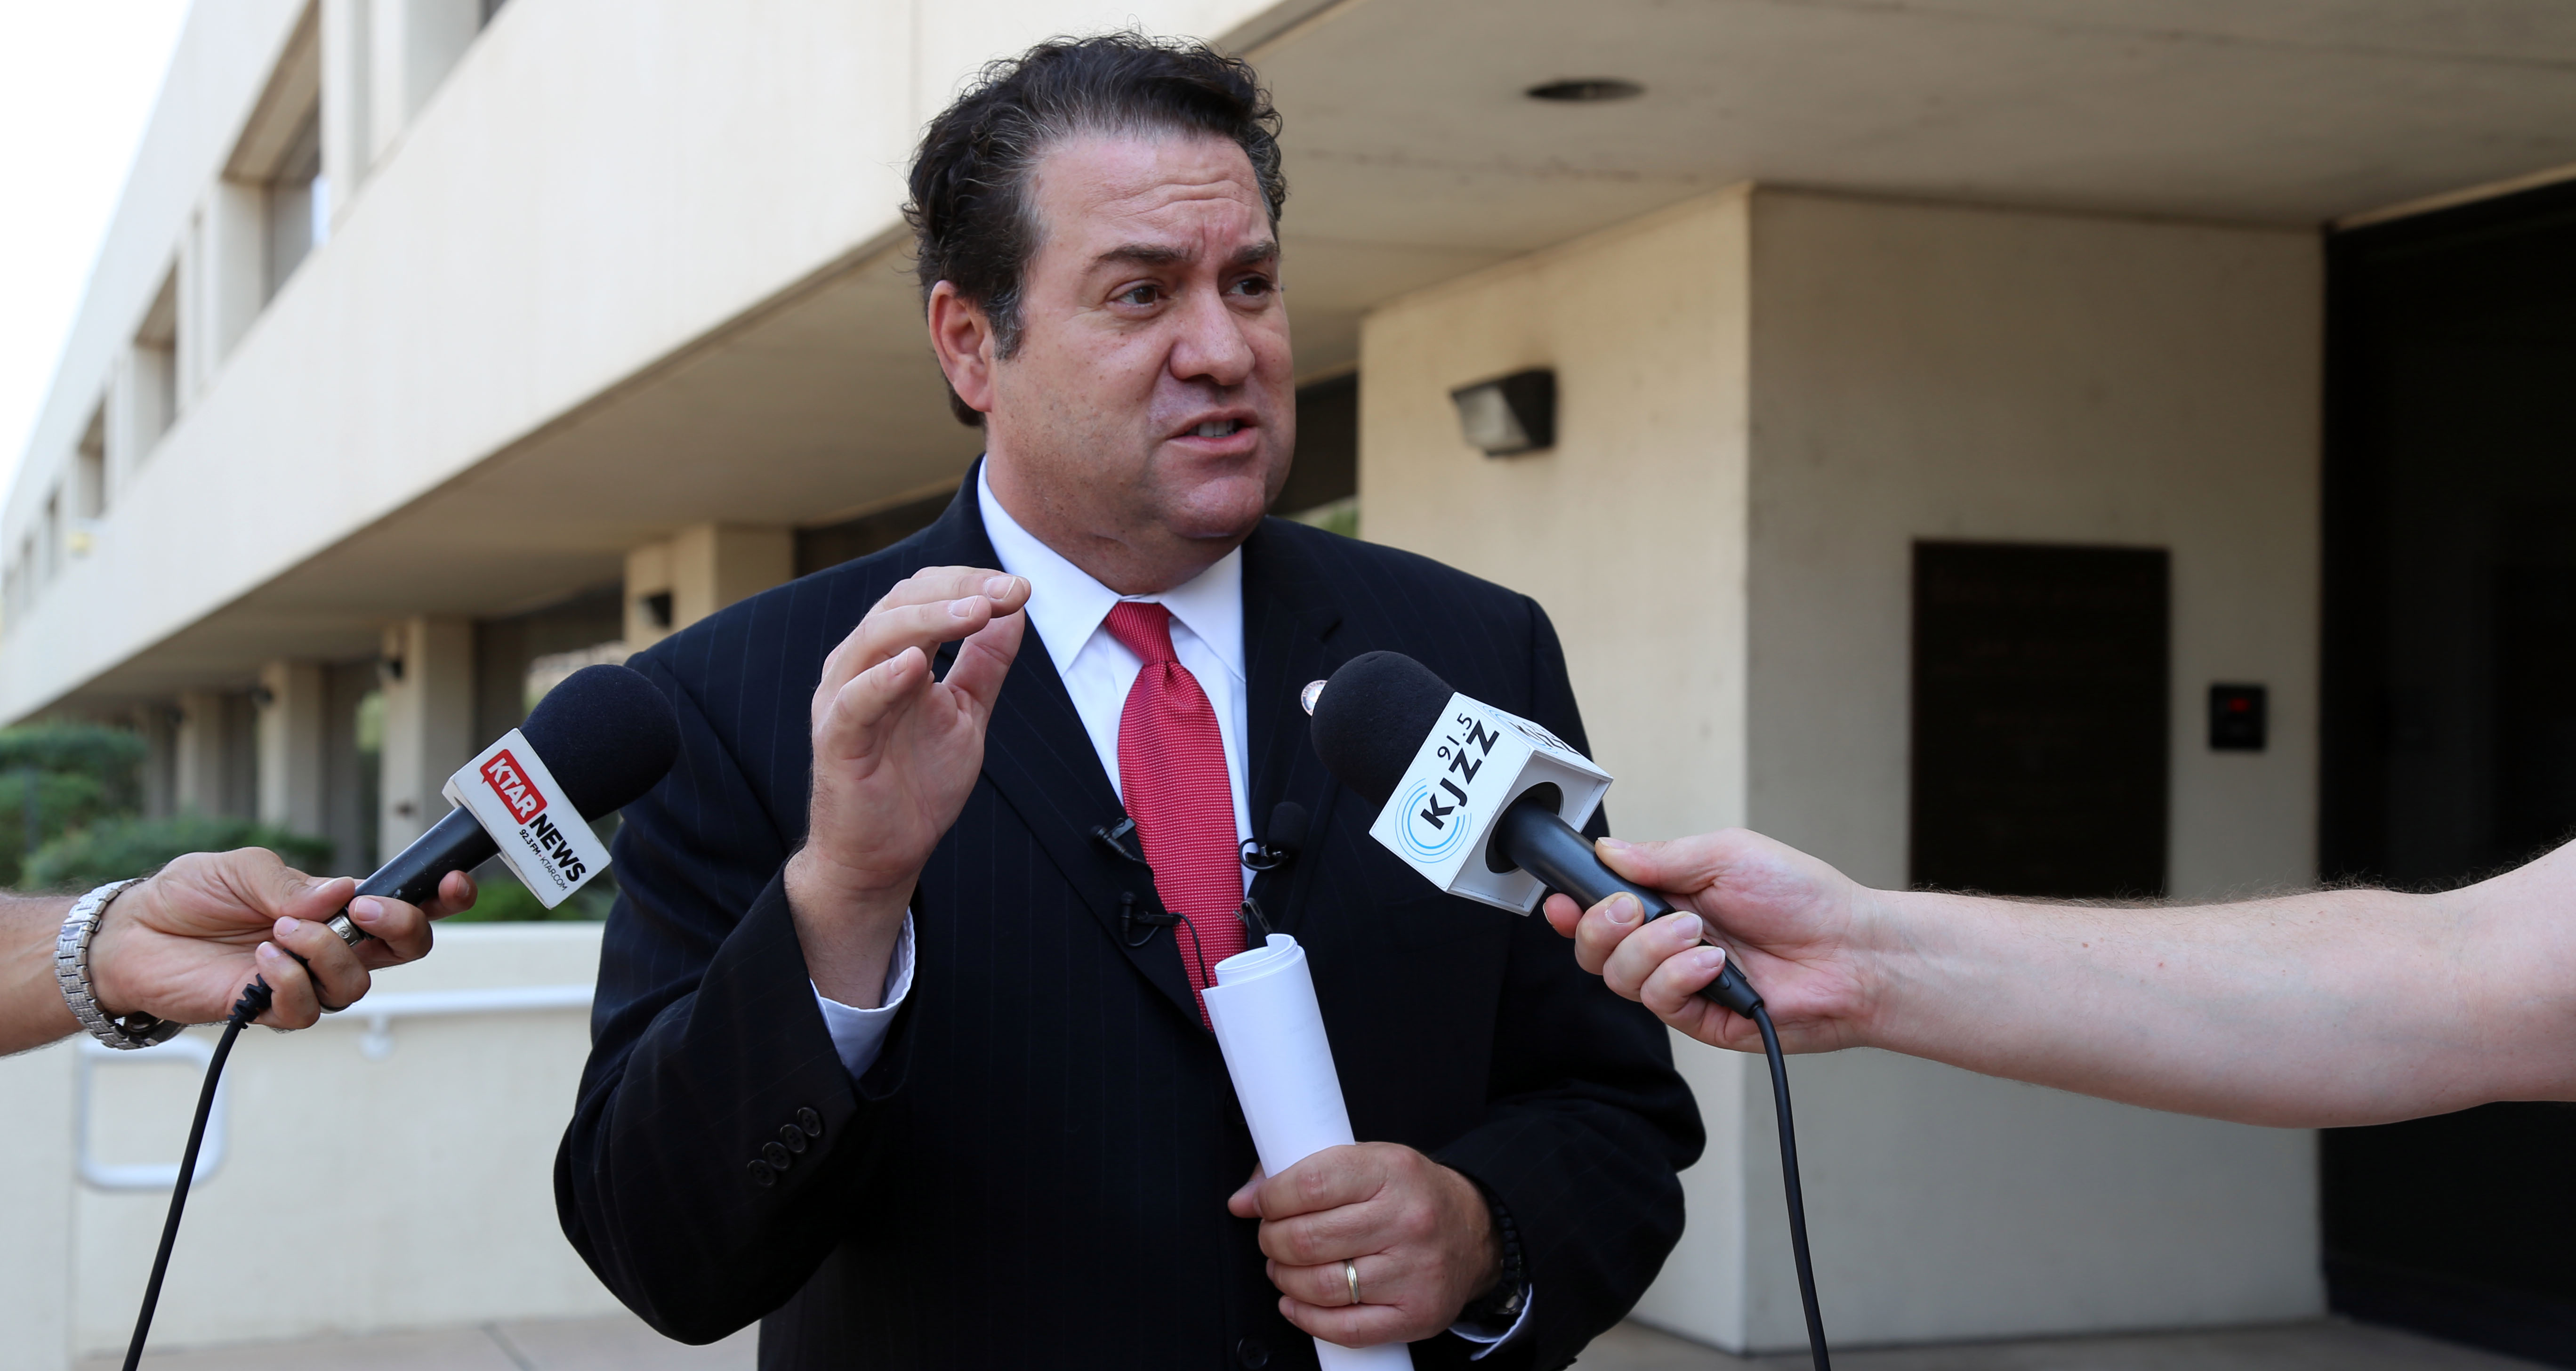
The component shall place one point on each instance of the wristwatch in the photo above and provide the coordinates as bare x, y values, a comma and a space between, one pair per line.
71, 972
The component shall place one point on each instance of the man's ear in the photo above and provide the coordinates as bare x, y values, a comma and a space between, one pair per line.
961, 335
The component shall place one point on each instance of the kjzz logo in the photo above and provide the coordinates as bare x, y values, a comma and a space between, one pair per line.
1433, 826
510, 781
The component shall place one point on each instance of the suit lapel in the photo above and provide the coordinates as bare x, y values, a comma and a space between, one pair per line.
1287, 618
1038, 756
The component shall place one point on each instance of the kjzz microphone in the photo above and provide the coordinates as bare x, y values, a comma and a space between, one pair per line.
1488, 805
592, 746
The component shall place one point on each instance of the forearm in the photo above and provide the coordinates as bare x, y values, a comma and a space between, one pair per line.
32, 1011
2335, 1007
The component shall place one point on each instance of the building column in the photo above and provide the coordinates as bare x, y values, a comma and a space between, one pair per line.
1836, 379
699, 570
157, 724
294, 721
429, 722
197, 746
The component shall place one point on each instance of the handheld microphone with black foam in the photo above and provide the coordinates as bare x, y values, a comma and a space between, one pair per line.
1490, 803
593, 745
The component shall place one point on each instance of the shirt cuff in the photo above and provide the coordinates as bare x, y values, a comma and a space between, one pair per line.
859, 1034
1490, 1341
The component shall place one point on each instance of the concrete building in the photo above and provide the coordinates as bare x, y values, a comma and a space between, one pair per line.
1969, 420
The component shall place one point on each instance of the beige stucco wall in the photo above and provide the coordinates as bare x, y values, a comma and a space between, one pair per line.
1631, 534
424, 1178
1765, 398
36, 1208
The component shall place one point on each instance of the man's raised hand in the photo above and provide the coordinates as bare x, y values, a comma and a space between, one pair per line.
895, 754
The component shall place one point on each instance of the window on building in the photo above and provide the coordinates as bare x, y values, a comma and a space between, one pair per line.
156, 367
53, 532
89, 481
277, 165
296, 206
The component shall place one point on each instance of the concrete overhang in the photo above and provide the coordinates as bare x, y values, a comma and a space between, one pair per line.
1413, 157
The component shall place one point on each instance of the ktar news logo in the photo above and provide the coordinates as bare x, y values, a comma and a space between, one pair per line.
509, 780
1431, 829
558, 850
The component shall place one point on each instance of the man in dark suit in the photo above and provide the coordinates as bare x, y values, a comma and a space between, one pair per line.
898, 1046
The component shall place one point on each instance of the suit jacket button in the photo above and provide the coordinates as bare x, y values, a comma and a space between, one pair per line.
1252, 1353
763, 1174
794, 1137
811, 1122
777, 1155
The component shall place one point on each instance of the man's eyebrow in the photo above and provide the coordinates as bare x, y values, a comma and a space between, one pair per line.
1164, 255
1144, 255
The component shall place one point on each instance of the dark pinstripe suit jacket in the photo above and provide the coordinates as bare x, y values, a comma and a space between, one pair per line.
1034, 1172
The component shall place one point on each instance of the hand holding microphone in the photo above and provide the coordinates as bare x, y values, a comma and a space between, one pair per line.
181, 945
1485, 796
1793, 925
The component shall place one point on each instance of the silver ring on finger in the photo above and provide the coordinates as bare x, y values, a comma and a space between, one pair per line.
1351, 1275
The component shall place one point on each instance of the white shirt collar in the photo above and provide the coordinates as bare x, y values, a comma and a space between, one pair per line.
1067, 606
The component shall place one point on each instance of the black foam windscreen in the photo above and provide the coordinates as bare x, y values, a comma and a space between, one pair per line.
607, 735
1372, 717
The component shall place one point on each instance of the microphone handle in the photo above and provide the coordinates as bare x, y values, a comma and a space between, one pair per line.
455, 843
1545, 846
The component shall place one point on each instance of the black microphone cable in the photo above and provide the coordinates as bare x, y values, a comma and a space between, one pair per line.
253, 1003
1550, 849
1789, 1179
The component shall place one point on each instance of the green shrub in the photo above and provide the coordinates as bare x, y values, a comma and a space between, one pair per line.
502, 899
112, 756
113, 849
80, 774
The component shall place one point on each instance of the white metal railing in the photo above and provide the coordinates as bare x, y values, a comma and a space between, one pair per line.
180, 1051
379, 1010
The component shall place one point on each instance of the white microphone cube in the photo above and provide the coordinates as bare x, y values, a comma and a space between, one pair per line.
1475, 763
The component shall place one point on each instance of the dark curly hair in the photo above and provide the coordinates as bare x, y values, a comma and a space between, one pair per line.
972, 223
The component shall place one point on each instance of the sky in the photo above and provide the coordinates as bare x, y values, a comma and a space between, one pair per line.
77, 81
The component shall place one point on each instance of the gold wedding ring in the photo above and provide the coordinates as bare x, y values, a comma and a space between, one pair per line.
1351, 1273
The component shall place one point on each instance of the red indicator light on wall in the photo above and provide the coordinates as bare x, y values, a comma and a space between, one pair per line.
2237, 718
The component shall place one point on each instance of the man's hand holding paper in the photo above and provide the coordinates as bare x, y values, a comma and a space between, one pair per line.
1418, 1237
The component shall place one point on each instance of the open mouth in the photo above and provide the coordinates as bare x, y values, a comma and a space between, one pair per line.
1217, 428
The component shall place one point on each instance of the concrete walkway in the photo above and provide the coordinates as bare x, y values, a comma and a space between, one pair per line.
622, 1344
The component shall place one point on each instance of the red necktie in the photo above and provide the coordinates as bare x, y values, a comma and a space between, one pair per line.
1171, 763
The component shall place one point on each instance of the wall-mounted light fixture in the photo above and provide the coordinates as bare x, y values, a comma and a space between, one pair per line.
1586, 90
1509, 414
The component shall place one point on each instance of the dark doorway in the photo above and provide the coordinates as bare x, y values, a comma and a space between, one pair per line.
2450, 714
2040, 719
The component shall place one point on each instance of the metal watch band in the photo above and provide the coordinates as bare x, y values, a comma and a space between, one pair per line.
71, 972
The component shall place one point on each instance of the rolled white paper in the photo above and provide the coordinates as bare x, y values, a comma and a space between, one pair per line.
1267, 1025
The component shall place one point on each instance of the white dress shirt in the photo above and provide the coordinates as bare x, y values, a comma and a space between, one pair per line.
1067, 611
